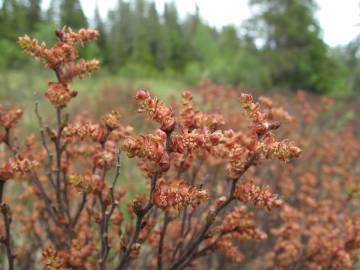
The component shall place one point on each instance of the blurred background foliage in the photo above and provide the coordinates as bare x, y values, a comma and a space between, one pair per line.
280, 47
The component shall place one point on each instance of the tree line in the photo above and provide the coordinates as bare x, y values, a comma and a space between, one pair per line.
279, 47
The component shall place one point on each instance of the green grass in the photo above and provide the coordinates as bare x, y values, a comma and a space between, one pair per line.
27, 86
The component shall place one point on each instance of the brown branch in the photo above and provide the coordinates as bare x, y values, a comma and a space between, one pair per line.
204, 250
2, 186
79, 210
161, 241
49, 206
103, 235
106, 215
45, 145
5, 211
65, 196
8, 143
51, 209
57, 141
139, 218
182, 164
58, 153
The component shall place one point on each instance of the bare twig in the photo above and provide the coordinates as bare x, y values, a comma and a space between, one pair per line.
161, 241
58, 153
106, 215
5, 211
45, 145
8, 143
202, 252
2, 185
79, 210
139, 218
52, 211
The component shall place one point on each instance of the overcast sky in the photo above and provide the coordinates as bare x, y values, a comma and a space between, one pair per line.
340, 20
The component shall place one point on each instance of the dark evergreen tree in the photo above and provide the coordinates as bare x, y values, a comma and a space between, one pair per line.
100, 26
156, 37
72, 15
292, 44
120, 46
175, 43
13, 19
53, 12
191, 27
141, 51
33, 10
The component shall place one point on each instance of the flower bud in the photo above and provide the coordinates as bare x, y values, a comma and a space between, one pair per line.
200, 139
141, 95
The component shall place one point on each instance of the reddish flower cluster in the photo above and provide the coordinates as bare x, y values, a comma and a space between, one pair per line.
283, 150
193, 118
112, 120
156, 110
17, 167
9, 118
196, 139
151, 150
61, 260
52, 259
59, 94
238, 225
63, 52
87, 183
61, 58
79, 69
95, 132
80, 251
83, 35
259, 120
261, 197
175, 195
106, 157
109, 128
229, 249
275, 112
244, 149
238, 158
241, 224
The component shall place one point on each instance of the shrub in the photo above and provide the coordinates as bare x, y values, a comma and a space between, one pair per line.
68, 209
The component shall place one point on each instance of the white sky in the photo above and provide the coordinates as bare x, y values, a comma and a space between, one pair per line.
340, 20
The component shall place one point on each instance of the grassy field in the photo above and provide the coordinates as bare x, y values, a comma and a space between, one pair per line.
21, 86
26, 87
